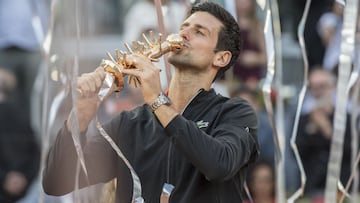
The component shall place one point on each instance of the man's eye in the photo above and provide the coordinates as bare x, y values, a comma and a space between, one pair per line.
199, 32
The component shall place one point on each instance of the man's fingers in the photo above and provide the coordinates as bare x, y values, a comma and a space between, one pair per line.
85, 87
101, 72
90, 83
133, 71
97, 81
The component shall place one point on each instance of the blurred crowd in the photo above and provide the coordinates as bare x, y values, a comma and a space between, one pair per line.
23, 28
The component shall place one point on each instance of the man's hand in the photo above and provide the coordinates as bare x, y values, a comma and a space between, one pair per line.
148, 74
15, 183
320, 119
88, 101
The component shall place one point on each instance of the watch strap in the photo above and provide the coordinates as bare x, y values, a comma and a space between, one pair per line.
162, 99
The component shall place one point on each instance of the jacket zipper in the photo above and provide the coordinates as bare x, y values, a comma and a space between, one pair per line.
170, 144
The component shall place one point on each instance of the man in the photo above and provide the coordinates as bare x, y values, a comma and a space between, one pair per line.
316, 132
200, 142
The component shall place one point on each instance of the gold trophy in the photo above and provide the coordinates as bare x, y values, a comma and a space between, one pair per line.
152, 48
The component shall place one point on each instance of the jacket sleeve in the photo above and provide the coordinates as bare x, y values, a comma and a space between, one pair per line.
59, 173
231, 144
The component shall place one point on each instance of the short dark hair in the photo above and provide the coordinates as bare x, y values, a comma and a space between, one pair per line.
229, 35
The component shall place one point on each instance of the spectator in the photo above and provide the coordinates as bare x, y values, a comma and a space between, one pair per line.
316, 131
251, 64
261, 183
19, 154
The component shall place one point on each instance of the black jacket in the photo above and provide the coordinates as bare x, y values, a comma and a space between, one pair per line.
314, 150
204, 152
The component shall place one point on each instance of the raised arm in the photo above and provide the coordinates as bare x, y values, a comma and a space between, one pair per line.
60, 167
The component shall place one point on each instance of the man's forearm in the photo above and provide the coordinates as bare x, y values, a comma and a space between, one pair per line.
165, 114
60, 168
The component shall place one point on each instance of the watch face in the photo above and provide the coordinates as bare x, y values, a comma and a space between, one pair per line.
162, 99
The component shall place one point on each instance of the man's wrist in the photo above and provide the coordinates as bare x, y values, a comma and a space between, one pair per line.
71, 123
162, 99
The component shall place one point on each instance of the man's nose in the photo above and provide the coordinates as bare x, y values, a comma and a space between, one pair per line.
184, 33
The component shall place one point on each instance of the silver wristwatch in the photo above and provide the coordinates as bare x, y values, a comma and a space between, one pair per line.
160, 100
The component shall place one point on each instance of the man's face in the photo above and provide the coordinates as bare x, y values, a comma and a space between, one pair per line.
200, 32
320, 85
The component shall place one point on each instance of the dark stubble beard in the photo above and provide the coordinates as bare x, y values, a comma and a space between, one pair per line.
180, 61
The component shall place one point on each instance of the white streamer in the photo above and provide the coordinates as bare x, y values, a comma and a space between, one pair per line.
273, 41
136, 181
300, 191
345, 63
46, 44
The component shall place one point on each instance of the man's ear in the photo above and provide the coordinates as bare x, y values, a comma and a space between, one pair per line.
222, 58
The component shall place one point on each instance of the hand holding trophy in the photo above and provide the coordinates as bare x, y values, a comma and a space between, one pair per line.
93, 88
153, 49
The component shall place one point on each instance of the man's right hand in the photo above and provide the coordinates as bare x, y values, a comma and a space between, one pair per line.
88, 85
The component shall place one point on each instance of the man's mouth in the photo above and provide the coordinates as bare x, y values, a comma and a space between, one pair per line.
184, 45
179, 48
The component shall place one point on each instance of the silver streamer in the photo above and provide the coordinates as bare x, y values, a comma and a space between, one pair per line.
49, 115
355, 155
345, 64
273, 41
355, 129
161, 27
75, 131
136, 181
247, 191
266, 88
301, 28
46, 45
